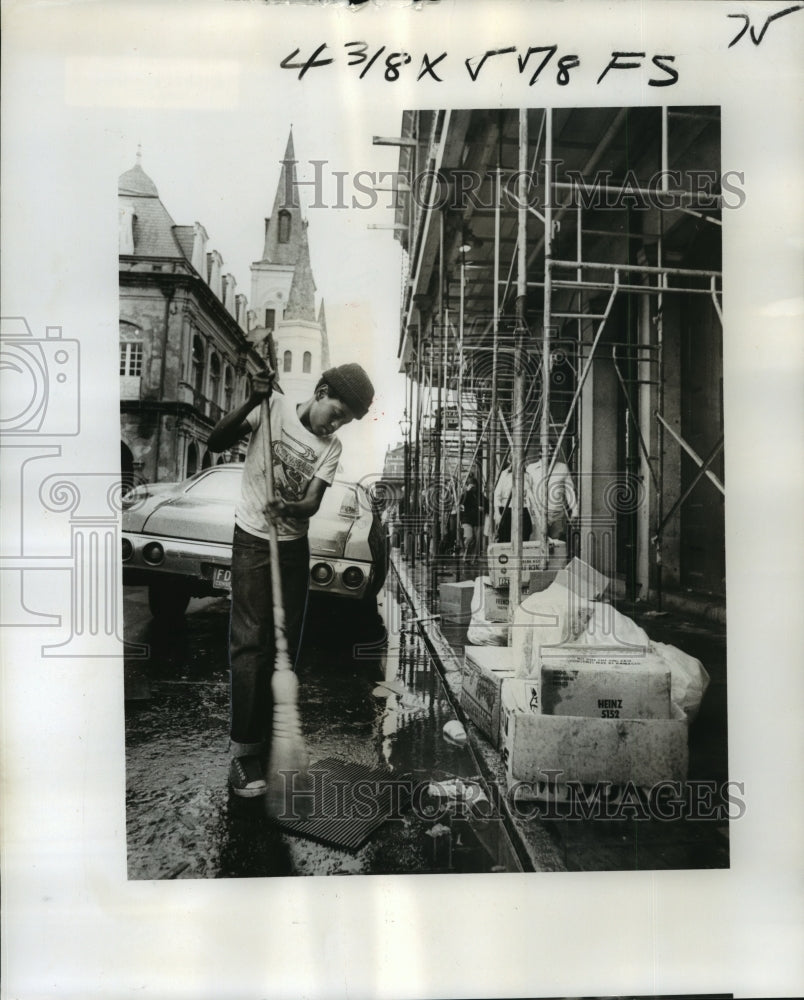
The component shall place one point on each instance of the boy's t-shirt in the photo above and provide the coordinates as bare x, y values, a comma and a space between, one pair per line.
298, 457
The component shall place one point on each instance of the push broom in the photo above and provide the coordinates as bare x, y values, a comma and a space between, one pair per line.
288, 758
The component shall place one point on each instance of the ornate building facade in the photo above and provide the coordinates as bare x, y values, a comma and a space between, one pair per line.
189, 342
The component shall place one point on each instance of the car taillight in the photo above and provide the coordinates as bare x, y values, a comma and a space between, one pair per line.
353, 577
128, 548
322, 574
153, 553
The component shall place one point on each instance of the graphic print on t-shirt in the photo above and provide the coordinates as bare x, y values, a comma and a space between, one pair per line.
294, 464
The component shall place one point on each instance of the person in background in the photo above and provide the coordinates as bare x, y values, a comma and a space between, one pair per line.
554, 502
502, 509
469, 511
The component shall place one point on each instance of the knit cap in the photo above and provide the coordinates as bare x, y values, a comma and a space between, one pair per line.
352, 385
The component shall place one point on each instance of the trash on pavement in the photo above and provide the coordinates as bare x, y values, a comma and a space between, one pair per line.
457, 790
454, 732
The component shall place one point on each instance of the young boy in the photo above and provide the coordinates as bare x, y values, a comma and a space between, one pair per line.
305, 453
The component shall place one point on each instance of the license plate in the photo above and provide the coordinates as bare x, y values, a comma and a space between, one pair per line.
222, 578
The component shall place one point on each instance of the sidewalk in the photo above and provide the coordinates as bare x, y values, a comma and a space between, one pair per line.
564, 844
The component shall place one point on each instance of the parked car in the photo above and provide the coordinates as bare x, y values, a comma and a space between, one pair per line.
177, 539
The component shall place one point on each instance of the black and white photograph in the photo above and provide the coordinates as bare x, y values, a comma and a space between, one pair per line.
484, 683
373, 377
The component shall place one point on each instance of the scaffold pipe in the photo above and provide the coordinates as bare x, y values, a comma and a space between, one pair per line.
583, 376
517, 471
691, 452
547, 321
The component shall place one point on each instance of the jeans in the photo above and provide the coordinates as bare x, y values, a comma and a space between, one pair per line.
251, 628
504, 529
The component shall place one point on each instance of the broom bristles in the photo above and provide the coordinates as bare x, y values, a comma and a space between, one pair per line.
288, 762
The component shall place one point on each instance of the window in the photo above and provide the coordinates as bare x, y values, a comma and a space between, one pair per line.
214, 377
340, 500
287, 361
307, 360
270, 319
284, 226
228, 388
192, 460
223, 484
131, 359
198, 364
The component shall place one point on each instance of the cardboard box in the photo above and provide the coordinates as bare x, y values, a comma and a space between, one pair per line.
485, 668
495, 605
643, 751
502, 564
616, 692
578, 577
455, 601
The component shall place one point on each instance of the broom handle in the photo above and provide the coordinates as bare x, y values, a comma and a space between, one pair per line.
282, 658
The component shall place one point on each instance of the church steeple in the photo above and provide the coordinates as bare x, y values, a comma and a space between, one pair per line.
284, 229
283, 288
301, 299
322, 322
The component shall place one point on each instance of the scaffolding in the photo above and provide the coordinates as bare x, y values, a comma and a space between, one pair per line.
501, 346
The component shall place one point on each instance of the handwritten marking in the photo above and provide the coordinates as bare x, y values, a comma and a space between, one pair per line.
757, 38
371, 61
491, 52
523, 60
428, 67
312, 63
392, 63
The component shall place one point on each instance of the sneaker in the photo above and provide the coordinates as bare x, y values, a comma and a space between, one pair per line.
246, 777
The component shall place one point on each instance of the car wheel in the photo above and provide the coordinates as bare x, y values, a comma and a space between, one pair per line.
168, 599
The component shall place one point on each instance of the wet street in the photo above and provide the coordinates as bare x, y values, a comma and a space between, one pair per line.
369, 695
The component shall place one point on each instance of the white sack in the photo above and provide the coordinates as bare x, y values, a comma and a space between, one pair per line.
482, 632
608, 627
688, 681
547, 618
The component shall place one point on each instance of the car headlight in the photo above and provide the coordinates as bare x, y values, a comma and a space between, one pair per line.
353, 577
153, 553
127, 548
322, 574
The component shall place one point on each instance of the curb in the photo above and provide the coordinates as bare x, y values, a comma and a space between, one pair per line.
532, 843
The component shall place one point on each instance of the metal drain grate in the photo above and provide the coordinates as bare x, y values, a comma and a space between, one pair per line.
347, 803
